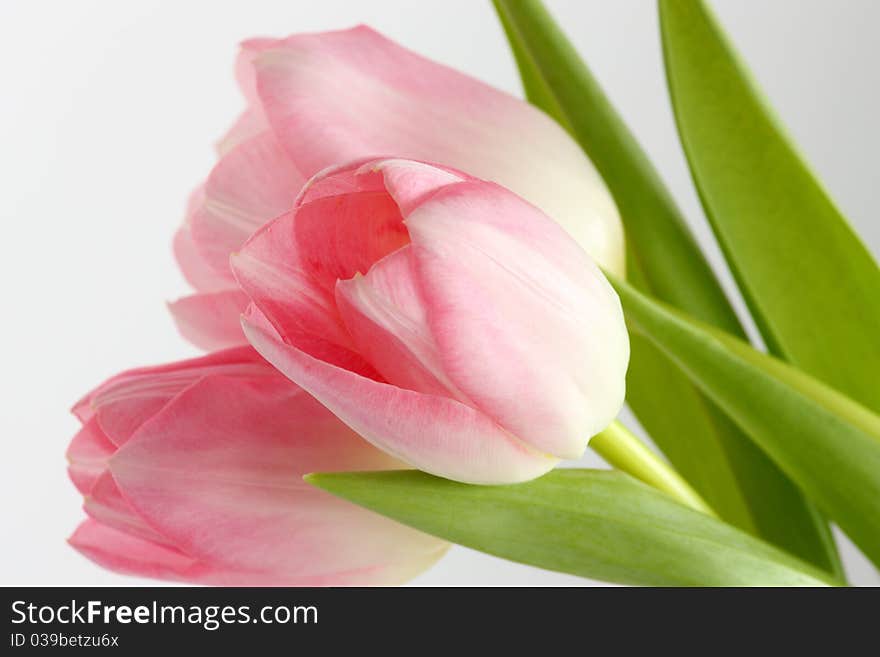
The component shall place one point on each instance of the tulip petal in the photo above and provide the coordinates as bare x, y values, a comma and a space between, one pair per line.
87, 456
211, 321
385, 315
519, 312
251, 184
436, 434
342, 96
252, 122
130, 555
123, 403
106, 504
269, 269
347, 178
408, 182
219, 470
289, 268
196, 271
245, 74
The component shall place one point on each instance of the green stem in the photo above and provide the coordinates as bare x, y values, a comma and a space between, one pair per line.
622, 450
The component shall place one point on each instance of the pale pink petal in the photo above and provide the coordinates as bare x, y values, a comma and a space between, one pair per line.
435, 434
294, 288
82, 409
87, 456
106, 504
196, 270
211, 321
347, 177
340, 236
250, 123
342, 96
123, 403
255, 316
385, 315
527, 326
250, 185
219, 472
271, 270
130, 555
245, 74
410, 183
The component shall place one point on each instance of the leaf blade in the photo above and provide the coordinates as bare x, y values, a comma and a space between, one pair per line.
811, 284
593, 523
836, 457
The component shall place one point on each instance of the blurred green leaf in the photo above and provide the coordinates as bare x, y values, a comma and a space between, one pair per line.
593, 523
825, 442
812, 286
734, 476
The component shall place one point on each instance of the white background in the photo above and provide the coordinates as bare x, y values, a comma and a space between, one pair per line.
108, 113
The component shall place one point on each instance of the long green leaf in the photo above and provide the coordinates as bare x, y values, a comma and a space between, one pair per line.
827, 443
812, 286
735, 477
660, 244
593, 523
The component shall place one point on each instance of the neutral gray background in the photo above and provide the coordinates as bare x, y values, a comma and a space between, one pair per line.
108, 113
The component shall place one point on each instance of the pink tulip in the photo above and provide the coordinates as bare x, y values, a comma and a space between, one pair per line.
192, 471
442, 317
319, 100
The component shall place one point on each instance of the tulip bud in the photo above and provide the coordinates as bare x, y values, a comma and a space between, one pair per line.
442, 317
193, 471
318, 100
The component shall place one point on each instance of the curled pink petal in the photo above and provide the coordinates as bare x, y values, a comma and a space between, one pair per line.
123, 403
519, 312
293, 290
87, 456
436, 434
131, 555
253, 183
384, 312
252, 122
106, 504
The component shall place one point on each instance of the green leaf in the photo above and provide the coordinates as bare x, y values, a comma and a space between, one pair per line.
812, 286
593, 523
661, 246
720, 461
722, 464
825, 442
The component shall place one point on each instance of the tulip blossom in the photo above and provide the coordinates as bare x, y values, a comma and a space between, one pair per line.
442, 317
320, 100
193, 471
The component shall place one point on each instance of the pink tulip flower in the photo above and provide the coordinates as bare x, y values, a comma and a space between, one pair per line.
442, 317
192, 471
319, 100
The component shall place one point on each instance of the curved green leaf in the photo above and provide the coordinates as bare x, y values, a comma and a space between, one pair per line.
660, 244
825, 442
722, 464
593, 523
812, 286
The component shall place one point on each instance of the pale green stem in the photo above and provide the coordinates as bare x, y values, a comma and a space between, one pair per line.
622, 450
